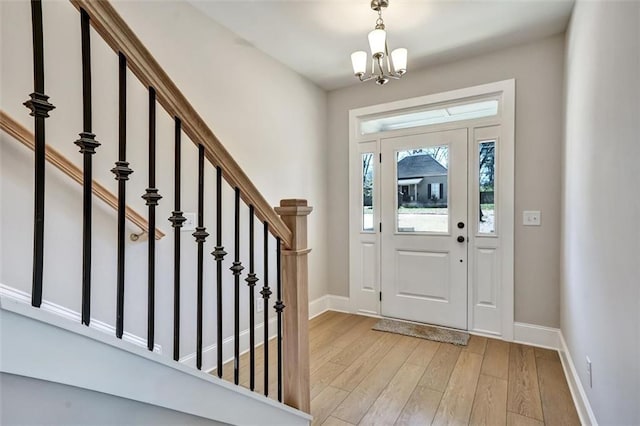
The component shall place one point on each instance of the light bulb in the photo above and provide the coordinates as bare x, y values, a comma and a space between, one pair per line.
399, 60
359, 62
377, 41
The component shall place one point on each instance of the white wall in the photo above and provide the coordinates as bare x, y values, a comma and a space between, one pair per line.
538, 70
601, 209
271, 119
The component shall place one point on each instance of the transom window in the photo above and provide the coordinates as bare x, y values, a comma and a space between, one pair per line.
415, 118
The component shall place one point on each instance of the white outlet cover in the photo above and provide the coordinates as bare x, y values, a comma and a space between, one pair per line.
190, 223
531, 218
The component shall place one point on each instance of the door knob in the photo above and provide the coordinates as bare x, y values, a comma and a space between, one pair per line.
461, 239
460, 225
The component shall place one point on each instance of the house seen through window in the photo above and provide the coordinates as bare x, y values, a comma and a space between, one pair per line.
422, 178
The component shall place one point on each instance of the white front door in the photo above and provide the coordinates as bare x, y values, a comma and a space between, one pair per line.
424, 227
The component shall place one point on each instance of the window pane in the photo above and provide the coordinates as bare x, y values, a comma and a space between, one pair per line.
409, 119
486, 180
423, 181
367, 191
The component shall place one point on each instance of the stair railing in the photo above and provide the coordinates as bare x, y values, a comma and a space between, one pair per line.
287, 223
23, 135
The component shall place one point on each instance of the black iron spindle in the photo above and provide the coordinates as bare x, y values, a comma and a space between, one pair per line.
151, 197
177, 219
237, 270
122, 172
219, 254
279, 306
88, 145
200, 236
251, 282
40, 107
266, 293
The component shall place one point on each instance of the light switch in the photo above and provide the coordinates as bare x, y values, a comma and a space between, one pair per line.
531, 218
190, 222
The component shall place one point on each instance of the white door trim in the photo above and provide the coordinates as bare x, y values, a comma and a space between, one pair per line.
504, 91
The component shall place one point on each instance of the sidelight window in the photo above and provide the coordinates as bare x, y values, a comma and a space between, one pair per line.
367, 191
486, 187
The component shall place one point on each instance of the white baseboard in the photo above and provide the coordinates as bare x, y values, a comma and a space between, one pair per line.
328, 302
24, 297
575, 386
536, 335
339, 303
319, 306
209, 353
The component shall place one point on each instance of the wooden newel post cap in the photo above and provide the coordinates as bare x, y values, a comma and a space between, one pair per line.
293, 207
293, 213
293, 202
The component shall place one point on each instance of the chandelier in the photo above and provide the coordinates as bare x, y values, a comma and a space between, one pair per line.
383, 68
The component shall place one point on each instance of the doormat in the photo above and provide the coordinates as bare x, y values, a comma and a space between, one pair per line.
422, 331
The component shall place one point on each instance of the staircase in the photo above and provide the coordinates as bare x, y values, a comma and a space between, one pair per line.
122, 315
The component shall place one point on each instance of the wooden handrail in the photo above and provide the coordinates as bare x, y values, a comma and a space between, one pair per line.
24, 136
119, 36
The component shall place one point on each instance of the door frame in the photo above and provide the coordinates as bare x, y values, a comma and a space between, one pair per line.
367, 302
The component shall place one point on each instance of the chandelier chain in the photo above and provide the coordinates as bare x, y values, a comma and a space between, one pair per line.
380, 21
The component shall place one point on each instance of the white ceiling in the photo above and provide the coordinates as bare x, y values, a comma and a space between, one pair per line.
316, 37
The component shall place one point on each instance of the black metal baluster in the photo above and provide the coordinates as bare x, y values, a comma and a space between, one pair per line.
177, 219
251, 282
88, 145
279, 306
219, 254
200, 236
122, 172
40, 107
266, 293
237, 270
151, 197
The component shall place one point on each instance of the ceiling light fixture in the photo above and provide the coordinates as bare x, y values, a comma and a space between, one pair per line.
382, 68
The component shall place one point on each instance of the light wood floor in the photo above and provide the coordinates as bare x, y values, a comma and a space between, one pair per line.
361, 376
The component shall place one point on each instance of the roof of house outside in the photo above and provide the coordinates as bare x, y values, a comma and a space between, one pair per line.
419, 165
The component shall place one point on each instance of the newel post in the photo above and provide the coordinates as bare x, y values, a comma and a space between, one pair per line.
295, 287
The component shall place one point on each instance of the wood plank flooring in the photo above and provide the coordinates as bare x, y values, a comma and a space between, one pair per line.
365, 377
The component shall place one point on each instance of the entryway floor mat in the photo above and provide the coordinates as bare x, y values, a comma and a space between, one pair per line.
423, 331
